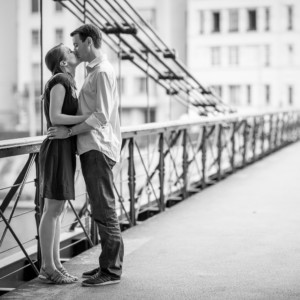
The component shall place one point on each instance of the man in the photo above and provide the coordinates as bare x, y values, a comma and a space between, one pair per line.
98, 144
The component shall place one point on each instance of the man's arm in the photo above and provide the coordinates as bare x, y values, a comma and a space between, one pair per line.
97, 120
63, 132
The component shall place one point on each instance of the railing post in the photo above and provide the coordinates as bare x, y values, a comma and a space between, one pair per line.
276, 132
161, 172
184, 163
298, 126
270, 133
245, 136
262, 136
282, 129
131, 181
39, 205
232, 159
203, 151
219, 145
254, 137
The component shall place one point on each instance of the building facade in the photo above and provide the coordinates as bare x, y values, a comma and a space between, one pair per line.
8, 66
248, 51
21, 82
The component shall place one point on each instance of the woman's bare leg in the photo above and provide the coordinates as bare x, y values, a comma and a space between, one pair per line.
47, 231
56, 246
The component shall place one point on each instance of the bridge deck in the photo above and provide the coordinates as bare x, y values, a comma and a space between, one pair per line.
238, 239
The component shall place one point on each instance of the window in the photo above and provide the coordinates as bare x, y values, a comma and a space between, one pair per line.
201, 21
215, 56
36, 78
150, 113
36, 69
267, 19
141, 85
234, 94
252, 19
290, 95
58, 7
290, 17
35, 38
59, 35
216, 21
121, 85
249, 94
267, 56
233, 20
233, 55
34, 6
290, 54
267, 93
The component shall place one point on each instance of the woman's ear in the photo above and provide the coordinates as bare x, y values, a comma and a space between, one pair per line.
63, 63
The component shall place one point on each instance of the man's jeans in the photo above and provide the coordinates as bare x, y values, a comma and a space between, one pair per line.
98, 176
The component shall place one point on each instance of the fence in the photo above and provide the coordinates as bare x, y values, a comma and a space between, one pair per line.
161, 164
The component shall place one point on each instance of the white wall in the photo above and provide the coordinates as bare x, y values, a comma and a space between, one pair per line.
251, 69
8, 66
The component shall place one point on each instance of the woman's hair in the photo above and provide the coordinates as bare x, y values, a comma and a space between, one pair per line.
53, 58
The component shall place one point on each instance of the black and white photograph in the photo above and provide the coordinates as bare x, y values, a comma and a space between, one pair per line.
149, 149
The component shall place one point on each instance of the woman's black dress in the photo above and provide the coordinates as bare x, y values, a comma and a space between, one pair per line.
57, 157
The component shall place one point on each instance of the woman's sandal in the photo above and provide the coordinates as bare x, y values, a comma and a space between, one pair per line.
63, 271
55, 277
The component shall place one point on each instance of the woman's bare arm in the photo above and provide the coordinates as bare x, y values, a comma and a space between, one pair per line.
57, 95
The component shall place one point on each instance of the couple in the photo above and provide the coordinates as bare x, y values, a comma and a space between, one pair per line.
94, 121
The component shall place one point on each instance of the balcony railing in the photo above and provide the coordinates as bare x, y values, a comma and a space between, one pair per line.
161, 164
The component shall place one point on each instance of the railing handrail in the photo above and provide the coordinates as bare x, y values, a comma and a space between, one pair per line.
181, 158
31, 144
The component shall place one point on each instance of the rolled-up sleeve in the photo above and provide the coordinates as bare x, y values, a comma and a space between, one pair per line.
96, 120
100, 118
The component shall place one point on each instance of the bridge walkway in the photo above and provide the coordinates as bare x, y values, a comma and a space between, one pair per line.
238, 239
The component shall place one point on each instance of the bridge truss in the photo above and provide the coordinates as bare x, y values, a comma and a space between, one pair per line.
132, 38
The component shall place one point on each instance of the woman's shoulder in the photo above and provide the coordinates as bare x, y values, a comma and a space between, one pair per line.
62, 78
59, 78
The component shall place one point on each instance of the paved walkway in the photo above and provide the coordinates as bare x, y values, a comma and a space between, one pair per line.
238, 239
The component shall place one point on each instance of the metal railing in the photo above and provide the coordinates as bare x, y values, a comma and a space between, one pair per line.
161, 164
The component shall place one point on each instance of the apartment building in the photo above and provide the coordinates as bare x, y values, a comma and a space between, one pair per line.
20, 75
21, 81
8, 67
247, 51
168, 20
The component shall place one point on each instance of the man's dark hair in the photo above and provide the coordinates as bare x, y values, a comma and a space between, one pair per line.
89, 30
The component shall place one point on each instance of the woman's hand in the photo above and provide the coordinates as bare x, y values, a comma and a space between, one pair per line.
57, 132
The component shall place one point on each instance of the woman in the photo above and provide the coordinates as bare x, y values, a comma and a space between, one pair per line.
57, 160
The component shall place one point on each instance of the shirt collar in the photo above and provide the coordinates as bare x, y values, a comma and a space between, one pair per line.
97, 61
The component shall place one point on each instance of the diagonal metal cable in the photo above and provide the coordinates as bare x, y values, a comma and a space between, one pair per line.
147, 174
32, 159
173, 162
19, 242
194, 156
118, 15
91, 17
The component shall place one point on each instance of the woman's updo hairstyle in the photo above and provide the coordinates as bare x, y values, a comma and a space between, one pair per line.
53, 58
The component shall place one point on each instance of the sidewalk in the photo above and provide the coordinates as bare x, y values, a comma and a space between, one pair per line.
238, 239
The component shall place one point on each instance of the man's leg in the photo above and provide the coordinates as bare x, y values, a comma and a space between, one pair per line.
97, 172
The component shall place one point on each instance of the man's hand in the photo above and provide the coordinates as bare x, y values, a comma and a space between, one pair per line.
57, 132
